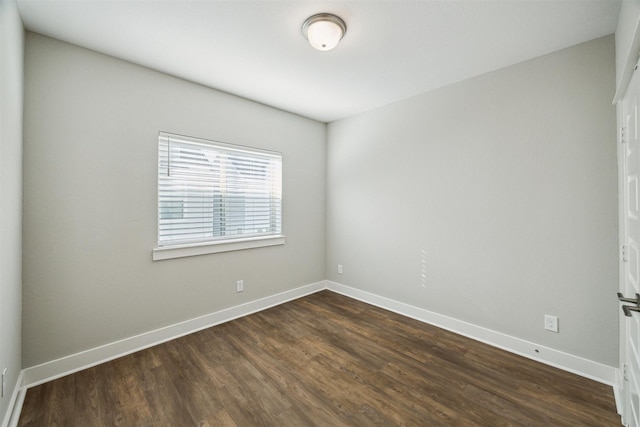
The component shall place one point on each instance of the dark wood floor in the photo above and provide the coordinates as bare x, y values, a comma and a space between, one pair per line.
323, 360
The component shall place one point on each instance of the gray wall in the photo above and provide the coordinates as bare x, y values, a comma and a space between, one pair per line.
11, 98
504, 185
90, 188
626, 40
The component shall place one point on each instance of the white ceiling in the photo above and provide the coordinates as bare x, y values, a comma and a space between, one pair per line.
255, 49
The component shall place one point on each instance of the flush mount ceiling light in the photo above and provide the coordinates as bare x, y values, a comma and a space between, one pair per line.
324, 30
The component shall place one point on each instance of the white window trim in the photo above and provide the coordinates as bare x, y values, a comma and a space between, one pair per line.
171, 251
180, 251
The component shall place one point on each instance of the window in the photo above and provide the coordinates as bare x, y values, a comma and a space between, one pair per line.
215, 197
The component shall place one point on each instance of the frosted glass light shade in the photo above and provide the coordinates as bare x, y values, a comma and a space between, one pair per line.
324, 30
324, 35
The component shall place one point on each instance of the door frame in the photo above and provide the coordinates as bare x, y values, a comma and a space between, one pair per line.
619, 387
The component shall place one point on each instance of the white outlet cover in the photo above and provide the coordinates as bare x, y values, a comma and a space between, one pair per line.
551, 323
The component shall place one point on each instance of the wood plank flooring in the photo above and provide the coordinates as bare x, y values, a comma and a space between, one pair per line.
322, 360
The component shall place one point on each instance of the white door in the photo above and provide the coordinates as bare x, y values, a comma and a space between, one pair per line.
630, 283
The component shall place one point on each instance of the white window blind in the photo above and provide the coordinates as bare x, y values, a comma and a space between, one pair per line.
211, 192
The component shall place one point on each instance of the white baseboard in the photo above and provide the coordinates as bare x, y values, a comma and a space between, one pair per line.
48, 371
15, 404
565, 361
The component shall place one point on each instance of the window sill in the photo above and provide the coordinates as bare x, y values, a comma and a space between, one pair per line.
180, 251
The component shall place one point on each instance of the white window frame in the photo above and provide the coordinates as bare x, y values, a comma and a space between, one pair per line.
167, 249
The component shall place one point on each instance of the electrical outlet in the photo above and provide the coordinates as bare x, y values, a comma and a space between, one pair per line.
240, 286
339, 268
551, 323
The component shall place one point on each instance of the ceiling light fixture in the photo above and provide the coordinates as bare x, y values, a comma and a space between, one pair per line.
324, 30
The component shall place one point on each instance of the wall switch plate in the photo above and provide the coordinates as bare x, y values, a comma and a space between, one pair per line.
240, 286
551, 323
339, 268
